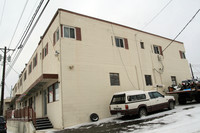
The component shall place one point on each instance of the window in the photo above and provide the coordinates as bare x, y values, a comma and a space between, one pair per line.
148, 80
121, 42
53, 93
35, 61
45, 51
118, 99
136, 97
56, 36
114, 79
25, 75
173, 78
157, 49
142, 45
50, 94
69, 32
21, 82
30, 68
155, 95
182, 55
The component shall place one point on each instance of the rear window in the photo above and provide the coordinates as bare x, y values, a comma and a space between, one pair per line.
134, 98
1, 119
118, 99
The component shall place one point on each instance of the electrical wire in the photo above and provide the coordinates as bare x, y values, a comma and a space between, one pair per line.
17, 50
181, 30
18, 23
156, 15
1, 19
27, 37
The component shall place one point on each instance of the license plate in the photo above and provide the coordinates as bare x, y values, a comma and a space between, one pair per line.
117, 108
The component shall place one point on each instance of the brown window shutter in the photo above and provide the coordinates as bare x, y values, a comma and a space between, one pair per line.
54, 39
78, 33
181, 54
61, 26
126, 43
161, 53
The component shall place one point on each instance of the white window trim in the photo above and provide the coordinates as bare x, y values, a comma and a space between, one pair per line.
63, 28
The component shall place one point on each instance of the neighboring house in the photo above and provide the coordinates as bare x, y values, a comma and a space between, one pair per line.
81, 61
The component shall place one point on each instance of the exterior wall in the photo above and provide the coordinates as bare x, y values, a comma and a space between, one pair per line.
20, 127
84, 66
86, 85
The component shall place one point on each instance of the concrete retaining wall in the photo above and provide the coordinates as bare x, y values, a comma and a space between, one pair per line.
20, 126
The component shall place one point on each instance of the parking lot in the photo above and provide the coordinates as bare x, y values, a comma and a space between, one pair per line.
184, 119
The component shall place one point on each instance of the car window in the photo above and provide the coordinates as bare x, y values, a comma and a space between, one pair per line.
155, 95
136, 97
2, 119
118, 99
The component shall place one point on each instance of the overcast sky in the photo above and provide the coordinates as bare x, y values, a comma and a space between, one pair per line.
133, 13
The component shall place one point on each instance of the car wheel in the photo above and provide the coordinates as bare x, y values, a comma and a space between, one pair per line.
142, 112
94, 117
171, 105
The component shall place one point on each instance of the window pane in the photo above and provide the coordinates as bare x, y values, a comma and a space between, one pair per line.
117, 42
72, 35
121, 43
114, 79
156, 50
56, 91
57, 35
50, 93
66, 32
118, 99
148, 80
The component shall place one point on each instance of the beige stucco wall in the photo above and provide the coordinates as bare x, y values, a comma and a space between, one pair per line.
87, 86
84, 66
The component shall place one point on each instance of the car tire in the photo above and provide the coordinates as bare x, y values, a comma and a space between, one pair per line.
142, 112
94, 117
171, 105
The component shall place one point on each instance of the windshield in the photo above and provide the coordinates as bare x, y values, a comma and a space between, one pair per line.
118, 99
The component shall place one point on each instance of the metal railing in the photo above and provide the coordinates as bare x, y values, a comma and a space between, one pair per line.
25, 114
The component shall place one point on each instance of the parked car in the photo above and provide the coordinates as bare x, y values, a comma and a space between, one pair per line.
140, 102
3, 128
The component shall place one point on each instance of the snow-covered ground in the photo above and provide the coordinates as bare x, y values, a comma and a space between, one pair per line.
183, 119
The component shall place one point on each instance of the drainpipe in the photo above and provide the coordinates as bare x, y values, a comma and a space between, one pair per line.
61, 100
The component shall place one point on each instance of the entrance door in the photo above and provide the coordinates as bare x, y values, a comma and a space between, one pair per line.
45, 102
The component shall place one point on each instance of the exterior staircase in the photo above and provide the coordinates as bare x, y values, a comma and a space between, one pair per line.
43, 123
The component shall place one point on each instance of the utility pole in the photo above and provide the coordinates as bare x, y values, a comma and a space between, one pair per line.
3, 82
3, 79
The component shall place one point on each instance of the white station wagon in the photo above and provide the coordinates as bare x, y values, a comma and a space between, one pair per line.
139, 102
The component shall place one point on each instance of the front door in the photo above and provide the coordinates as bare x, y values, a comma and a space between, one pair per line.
44, 102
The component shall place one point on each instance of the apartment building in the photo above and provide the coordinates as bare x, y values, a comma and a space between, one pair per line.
81, 61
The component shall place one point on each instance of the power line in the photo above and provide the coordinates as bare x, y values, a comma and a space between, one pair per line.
18, 23
156, 15
23, 43
4, 4
181, 30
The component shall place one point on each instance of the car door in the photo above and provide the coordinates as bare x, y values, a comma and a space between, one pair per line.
157, 101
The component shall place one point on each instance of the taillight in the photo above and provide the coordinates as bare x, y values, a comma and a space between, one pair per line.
126, 107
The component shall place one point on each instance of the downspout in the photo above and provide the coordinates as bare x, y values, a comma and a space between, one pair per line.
140, 63
62, 114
